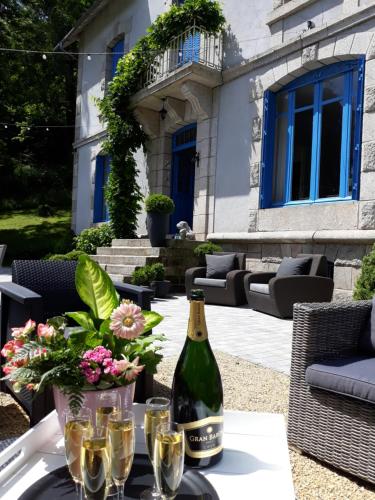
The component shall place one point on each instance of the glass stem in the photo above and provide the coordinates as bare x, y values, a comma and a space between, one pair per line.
120, 491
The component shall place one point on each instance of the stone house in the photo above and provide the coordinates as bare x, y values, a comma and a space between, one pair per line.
264, 136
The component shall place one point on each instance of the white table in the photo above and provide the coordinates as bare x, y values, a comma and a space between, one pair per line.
255, 464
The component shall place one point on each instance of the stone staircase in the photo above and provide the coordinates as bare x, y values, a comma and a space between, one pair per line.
125, 255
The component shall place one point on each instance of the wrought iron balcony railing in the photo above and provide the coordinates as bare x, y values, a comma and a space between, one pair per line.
194, 45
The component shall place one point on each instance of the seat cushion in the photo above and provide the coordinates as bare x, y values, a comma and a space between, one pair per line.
294, 266
260, 288
218, 266
354, 376
367, 336
210, 282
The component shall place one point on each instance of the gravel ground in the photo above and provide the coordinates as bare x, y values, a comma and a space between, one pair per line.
265, 391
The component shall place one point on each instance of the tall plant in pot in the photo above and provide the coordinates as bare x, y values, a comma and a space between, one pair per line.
107, 349
158, 208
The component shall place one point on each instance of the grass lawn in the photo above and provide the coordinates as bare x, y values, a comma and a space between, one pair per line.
28, 235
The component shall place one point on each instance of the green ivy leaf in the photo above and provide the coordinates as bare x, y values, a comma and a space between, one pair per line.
152, 319
95, 288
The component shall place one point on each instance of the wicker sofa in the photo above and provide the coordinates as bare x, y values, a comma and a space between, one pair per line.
336, 428
226, 292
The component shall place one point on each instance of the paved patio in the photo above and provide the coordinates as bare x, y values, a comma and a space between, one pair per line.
238, 331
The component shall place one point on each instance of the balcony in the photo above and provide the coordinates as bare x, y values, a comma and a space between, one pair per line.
195, 55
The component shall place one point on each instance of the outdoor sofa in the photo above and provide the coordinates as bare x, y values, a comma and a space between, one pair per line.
275, 293
41, 289
332, 385
225, 286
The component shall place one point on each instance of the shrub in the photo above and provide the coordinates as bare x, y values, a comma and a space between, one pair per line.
206, 248
45, 210
144, 275
73, 255
365, 287
159, 203
90, 239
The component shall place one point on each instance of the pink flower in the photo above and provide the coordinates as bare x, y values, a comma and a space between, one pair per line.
24, 330
121, 365
46, 331
134, 370
11, 348
128, 321
8, 369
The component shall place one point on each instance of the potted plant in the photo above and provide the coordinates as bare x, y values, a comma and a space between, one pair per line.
105, 351
206, 248
152, 275
158, 208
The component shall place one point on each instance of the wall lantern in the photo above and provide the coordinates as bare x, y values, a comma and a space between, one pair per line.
163, 112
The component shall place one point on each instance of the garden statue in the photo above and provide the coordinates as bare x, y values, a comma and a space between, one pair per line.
185, 231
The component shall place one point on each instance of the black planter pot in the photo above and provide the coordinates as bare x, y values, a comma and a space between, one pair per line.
157, 228
161, 288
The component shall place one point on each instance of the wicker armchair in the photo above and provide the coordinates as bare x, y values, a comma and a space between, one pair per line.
334, 428
226, 292
41, 289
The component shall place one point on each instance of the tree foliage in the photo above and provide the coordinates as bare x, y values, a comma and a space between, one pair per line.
125, 135
365, 285
35, 164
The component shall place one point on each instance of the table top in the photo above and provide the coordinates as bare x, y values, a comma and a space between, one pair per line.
255, 462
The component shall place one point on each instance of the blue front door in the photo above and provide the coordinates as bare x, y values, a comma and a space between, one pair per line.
183, 176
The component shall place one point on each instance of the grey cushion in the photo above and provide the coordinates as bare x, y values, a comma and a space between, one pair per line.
260, 288
210, 282
367, 337
218, 266
294, 266
354, 376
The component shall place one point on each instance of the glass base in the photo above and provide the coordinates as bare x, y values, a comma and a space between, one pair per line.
150, 494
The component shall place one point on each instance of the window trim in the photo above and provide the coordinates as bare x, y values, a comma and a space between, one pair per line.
269, 120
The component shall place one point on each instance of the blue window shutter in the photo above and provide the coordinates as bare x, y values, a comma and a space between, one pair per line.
117, 52
266, 165
98, 193
358, 130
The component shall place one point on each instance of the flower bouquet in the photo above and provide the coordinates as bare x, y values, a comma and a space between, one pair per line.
107, 348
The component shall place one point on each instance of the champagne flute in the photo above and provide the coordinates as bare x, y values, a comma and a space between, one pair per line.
169, 453
122, 445
108, 402
76, 424
96, 464
157, 412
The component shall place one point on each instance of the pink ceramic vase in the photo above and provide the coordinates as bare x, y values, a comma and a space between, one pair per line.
91, 400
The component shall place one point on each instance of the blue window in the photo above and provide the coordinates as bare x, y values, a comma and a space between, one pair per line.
117, 52
311, 137
101, 177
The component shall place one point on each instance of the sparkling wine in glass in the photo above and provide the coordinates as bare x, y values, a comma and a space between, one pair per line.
122, 444
157, 412
169, 453
108, 403
77, 424
96, 464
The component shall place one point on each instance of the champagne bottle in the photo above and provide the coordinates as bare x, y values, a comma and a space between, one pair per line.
197, 393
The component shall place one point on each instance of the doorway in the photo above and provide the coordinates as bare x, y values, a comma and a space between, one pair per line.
183, 175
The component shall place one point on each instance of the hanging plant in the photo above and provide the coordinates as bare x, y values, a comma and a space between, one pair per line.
124, 134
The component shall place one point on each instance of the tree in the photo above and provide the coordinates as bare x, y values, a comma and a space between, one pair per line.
365, 285
35, 164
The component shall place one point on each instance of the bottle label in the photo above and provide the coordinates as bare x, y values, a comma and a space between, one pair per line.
197, 329
203, 438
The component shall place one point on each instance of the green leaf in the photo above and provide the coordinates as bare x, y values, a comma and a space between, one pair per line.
152, 319
58, 323
95, 288
83, 319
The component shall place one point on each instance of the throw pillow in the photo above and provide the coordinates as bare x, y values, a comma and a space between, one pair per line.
367, 336
218, 266
294, 266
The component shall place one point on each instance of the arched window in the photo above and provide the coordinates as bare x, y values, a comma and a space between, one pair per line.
312, 134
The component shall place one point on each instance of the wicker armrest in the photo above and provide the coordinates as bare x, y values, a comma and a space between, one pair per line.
235, 278
326, 330
191, 274
19, 293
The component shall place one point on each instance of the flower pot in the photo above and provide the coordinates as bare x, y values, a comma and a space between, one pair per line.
91, 400
157, 228
161, 288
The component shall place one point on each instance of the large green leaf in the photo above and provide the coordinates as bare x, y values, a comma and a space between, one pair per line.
152, 319
95, 288
83, 319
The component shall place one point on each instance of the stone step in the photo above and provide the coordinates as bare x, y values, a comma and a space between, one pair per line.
117, 277
137, 242
119, 269
125, 260
139, 251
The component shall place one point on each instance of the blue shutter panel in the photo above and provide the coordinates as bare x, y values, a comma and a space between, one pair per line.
117, 52
98, 193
